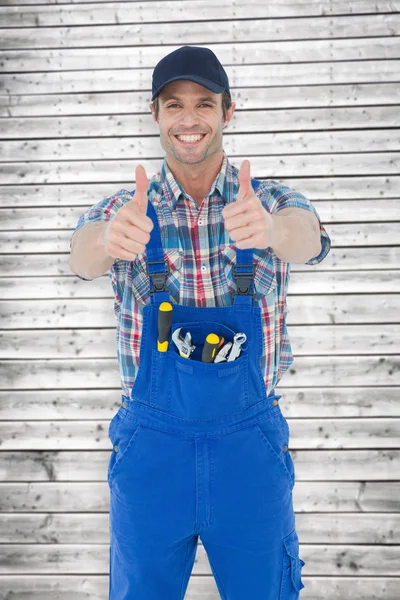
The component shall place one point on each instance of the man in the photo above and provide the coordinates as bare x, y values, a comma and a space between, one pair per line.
200, 445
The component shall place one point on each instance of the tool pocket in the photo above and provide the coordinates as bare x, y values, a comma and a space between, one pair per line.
122, 433
209, 390
291, 583
194, 389
199, 332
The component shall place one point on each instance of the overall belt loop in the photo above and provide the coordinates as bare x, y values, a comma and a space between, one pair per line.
157, 268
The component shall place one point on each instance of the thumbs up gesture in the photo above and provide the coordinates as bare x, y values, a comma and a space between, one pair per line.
128, 232
249, 224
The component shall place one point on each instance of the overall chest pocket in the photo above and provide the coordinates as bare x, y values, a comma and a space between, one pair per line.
197, 390
194, 389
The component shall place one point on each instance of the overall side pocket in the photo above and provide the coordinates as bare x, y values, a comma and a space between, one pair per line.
292, 566
271, 434
287, 457
122, 436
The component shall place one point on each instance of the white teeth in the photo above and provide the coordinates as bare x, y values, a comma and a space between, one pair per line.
189, 138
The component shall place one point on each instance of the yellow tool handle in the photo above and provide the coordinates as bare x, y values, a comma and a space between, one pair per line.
210, 348
164, 325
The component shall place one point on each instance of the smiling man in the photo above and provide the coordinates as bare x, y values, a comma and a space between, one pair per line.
199, 259
191, 121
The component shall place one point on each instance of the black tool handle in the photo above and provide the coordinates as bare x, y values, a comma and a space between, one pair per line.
164, 325
210, 348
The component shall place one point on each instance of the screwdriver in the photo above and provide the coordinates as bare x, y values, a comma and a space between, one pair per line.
164, 325
210, 347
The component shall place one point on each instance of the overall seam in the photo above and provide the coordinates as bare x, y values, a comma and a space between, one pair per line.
209, 435
184, 569
217, 578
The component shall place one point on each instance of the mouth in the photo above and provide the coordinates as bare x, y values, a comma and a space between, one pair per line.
190, 143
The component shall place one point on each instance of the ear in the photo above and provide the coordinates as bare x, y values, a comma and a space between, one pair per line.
153, 114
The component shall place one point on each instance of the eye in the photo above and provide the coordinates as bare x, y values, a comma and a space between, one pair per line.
202, 104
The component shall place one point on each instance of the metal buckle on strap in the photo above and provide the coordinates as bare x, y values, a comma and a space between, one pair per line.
158, 280
243, 280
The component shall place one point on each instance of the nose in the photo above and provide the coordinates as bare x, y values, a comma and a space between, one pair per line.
188, 117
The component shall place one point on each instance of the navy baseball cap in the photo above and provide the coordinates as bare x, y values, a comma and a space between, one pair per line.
194, 63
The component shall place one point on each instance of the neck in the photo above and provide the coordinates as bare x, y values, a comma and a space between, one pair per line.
196, 179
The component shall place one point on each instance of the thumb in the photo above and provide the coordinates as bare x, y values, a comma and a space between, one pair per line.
142, 184
244, 179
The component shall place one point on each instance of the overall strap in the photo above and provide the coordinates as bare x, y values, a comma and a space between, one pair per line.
157, 268
243, 270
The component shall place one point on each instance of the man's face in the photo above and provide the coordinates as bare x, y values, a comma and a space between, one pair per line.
185, 107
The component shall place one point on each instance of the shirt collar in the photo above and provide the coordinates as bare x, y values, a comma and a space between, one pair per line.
226, 183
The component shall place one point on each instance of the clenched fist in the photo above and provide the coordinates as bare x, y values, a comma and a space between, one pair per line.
128, 232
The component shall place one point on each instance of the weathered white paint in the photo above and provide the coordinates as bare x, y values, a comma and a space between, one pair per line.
316, 86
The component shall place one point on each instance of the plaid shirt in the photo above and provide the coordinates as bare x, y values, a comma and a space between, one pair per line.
200, 255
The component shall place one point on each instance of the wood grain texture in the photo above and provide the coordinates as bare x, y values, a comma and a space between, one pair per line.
45, 587
110, 103
317, 93
321, 146
279, 120
323, 402
115, 171
123, 80
156, 11
196, 32
270, 52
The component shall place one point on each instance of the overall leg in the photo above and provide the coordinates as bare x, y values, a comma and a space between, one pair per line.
152, 512
250, 536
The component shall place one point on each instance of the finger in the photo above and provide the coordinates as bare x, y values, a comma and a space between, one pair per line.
241, 220
135, 234
138, 219
242, 233
129, 244
233, 209
244, 179
142, 184
120, 253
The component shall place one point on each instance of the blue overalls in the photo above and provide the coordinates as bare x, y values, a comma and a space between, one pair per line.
200, 450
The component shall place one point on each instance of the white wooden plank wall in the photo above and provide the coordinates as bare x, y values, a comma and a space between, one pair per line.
317, 89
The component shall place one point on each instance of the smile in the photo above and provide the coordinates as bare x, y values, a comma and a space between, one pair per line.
190, 140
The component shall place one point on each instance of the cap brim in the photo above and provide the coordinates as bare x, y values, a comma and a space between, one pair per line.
210, 85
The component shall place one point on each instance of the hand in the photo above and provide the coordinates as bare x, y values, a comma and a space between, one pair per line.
249, 224
128, 232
